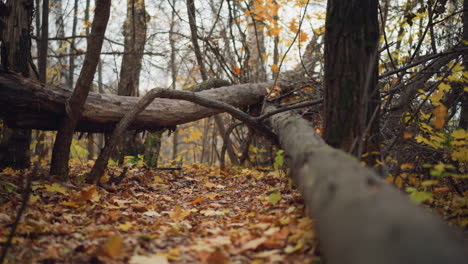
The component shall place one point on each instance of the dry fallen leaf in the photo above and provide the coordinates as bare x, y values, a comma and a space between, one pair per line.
112, 247
55, 187
178, 214
154, 259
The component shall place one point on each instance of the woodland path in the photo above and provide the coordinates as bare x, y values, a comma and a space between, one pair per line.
203, 215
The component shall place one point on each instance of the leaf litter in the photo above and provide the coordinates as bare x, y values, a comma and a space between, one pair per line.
202, 215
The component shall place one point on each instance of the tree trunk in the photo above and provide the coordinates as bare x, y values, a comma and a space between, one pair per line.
74, 105
256, 44
152, 148
71, 74
350, 91
464, 101
360, 218
16, 57
41, 107
134, 31
175, 139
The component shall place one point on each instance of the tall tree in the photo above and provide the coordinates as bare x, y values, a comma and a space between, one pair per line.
15, 35
351, 97
172, 43
134, 31
75, 103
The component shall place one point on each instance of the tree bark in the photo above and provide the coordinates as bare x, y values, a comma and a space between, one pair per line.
360, 218
74, 105
15, 34
134, 32
71, 59
464, 101
41, 106
44, 42
350, 90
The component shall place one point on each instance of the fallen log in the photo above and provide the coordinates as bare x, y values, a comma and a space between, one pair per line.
360, 218
25, 103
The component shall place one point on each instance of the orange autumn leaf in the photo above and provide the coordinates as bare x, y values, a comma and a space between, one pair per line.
408, 166
303, 36
112, 247
440, 113
236, 70
407, 135
274, 68
198, 200
293, 25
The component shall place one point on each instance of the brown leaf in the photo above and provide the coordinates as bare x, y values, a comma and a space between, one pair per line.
217, 257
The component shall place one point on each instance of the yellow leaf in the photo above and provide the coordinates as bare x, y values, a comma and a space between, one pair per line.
443, 87
158, 179
126, 226
436, 97
34, 198
55, 187
460, 134
178, 214
290, 249
112, 246
460, 155
440, 112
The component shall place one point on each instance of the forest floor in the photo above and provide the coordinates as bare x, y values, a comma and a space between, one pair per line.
198, 215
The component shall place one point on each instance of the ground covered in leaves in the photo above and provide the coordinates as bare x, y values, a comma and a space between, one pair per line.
197, 215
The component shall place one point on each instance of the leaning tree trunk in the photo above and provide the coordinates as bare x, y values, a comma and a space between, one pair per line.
360, 218
74, 105
15, 29
350, 90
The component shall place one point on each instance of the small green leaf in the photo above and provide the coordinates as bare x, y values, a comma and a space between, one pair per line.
419, 197
279, 159
429, 182
274, 198
9, 187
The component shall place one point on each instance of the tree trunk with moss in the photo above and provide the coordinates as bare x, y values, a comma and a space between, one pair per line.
350, 91
152, 148
15, 34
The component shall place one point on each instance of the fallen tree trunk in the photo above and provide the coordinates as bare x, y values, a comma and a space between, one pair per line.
28, 104
360, 218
